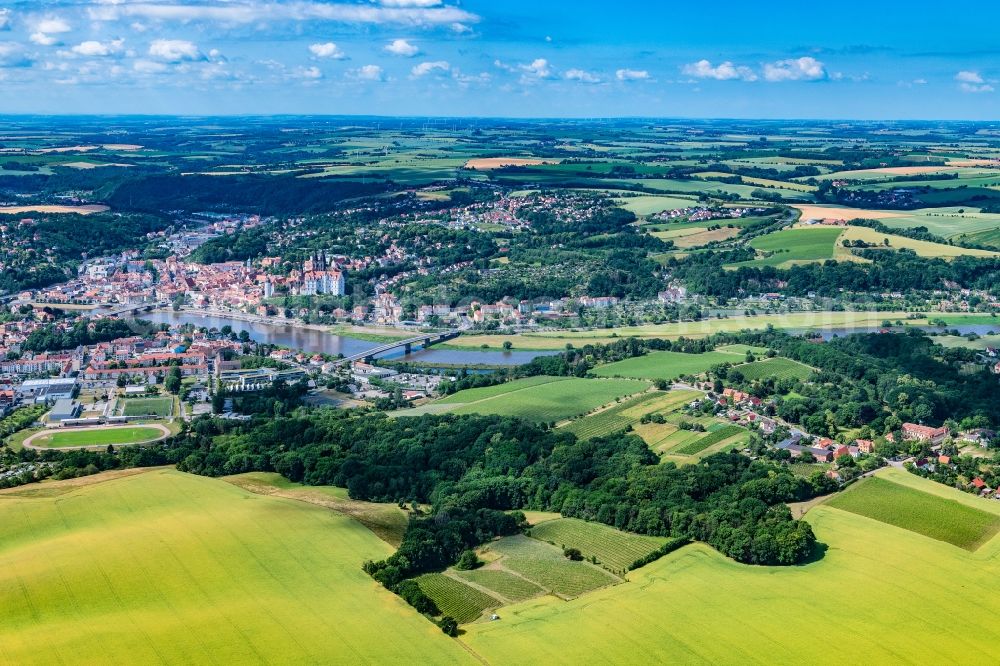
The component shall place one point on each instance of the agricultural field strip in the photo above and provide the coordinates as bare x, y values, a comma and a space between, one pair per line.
505, 585
613, 549
167, 567
555, 401
666, 364
620, 416
469, 396
546, 566
777, 367
714, 437
920, 512
453, 597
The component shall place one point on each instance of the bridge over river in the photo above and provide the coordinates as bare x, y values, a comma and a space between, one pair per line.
425, 340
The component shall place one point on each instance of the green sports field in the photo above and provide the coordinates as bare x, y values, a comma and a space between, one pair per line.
666, 364
896, 586
165, 567
148, 406
98, 437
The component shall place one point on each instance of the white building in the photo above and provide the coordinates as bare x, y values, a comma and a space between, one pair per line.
323, 282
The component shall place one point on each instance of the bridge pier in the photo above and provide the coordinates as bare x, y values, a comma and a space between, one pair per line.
407, 348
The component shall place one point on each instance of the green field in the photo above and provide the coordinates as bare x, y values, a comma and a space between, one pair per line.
552, 401
666, 364
98, 437
475, 394
795, 246
165, 567
628, 412
701, 443
776, 368
502, 584
148, 406
895, 583
455, 598
614, 549
385, 519
650, 205
921, 248
920, 512
546, 566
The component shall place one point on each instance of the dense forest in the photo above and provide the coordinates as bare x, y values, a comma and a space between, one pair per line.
48, 249
901, 271
251, 193
83, 332
480, 465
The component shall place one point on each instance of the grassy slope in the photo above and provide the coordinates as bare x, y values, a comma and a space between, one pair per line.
796, 246
879, 595
920, 512
922, 248
474, 394
554, 401
168, 567
627, 413
386, 520
777, 367
666, 364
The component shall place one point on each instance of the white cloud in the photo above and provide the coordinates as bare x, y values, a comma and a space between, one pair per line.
5, 15
327, 50
402, 47
52, 25
42, 39
795, 69
969, 77
174, 50
581, 75
12, 55
725, 71
973, 82
436, 66
535, 70
368, 73
312, 73
459, 28
632, 75
148, 67
410, 3
391, 12
95, 49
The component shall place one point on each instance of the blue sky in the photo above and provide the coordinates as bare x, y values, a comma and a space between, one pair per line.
582, 58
